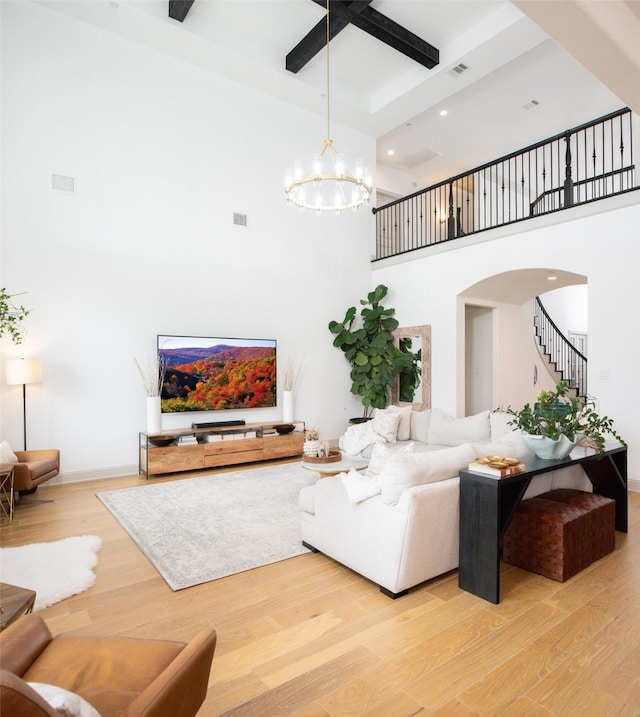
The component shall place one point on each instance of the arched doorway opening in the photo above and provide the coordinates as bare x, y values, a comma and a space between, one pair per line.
502, 362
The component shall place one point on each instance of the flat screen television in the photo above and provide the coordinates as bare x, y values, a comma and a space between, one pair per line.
203, 373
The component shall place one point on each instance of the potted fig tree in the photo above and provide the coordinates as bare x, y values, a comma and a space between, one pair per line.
366, 339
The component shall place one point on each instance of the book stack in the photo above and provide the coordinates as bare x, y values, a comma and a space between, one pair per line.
267, 432
186, 440
498, 466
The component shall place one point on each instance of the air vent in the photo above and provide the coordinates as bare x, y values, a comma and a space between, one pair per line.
240, 219
530, 105
63, 183
458, 69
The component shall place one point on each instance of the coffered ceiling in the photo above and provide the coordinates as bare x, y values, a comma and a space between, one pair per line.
509, 73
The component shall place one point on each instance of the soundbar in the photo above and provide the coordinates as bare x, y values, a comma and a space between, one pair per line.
218, 424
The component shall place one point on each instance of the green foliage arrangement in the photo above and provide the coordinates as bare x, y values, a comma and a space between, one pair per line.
11, 317
555, 413
367, 342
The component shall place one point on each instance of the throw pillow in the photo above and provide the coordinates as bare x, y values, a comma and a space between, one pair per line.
359, 487
512, 446
6, 454
408, 470
64, 702
445, 430
499, 424
404, 427
385, 424
381, 453
358, 437
420, 426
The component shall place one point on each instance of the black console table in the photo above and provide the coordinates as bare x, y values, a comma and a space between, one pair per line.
487, 504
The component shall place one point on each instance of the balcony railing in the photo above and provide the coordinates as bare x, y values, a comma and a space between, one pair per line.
581, 165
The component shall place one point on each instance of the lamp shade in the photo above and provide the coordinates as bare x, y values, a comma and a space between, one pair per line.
21, 371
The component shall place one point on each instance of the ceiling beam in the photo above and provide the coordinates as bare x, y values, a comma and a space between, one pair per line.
316, 39
359, 14
178, 9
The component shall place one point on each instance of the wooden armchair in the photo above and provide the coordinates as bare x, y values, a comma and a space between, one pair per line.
118, 676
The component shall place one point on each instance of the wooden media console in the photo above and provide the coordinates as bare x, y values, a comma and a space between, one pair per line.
188, 449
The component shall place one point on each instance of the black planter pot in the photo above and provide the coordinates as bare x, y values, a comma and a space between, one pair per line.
359, 419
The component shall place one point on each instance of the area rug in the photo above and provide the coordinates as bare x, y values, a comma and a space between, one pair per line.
55, 570
199, 529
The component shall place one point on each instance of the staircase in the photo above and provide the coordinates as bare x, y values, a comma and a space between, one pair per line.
562, 355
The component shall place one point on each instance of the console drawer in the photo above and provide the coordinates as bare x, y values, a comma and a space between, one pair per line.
240, 446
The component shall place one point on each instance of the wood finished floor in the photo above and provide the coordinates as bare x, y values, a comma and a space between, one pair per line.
308, 638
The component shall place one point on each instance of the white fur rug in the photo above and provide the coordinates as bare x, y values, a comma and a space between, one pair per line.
54, 570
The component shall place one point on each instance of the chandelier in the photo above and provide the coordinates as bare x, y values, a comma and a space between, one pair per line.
329, 185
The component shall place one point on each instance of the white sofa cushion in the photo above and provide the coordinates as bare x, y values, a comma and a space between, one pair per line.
406, 470
445, 430
385, 424
381, 453
510, 445
420, 426
499, 424
404, 427
359, 486
358, 437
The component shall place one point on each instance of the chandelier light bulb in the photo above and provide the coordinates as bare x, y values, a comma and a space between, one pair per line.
317, 165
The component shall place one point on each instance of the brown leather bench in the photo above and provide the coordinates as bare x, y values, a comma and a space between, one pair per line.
559, 533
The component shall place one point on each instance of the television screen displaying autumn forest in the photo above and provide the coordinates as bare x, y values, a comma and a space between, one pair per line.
210, 374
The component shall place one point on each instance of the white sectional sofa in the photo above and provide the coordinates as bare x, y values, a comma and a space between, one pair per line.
397, 523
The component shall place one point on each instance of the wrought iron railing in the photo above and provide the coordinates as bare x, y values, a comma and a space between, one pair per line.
581, 165
565, 357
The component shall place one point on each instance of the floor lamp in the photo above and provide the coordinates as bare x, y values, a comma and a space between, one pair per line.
23, 371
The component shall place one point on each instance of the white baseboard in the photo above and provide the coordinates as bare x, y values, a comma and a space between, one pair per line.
633, 485
96, 474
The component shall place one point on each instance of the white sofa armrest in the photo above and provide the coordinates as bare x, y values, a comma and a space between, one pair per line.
432, 533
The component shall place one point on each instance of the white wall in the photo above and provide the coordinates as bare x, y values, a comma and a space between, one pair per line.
163, 154
602, 247
568, 308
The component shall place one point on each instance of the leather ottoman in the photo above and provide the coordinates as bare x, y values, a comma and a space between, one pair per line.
559, 533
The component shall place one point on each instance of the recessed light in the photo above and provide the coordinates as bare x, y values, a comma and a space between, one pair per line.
443, 113
551, 276
391, 152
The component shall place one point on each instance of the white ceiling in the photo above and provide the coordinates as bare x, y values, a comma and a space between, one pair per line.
375, 89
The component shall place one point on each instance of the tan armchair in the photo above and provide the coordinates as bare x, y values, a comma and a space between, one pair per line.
34, 468
119, 676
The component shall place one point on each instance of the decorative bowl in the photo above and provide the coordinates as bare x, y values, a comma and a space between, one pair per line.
548, 449
161, 441
333, 457
284, 428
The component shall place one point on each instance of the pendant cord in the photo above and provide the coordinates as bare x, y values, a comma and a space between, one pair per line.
328, 93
